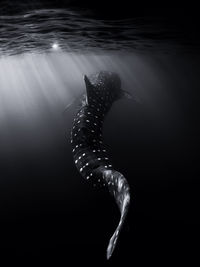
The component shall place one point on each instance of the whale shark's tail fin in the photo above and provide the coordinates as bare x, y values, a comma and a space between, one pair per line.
119, 188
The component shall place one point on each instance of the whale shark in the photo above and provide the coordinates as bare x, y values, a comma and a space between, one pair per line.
89, 151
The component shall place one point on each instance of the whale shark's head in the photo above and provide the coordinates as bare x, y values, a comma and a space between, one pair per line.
104, 81
105, 86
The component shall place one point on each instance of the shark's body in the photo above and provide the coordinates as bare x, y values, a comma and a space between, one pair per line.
89, 151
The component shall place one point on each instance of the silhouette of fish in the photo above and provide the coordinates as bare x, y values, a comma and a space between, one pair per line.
89, 151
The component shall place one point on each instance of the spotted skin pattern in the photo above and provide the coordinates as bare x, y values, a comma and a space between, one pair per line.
89, 151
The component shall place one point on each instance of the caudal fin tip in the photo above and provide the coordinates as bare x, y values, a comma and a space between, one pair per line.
108, 256
109, 253
111, 245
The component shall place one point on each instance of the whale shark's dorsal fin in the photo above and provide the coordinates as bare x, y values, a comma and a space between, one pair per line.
89, 88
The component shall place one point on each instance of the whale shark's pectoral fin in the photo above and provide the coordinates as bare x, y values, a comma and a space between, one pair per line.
89, 89
84, 96
69, 105
126, 94
78, 101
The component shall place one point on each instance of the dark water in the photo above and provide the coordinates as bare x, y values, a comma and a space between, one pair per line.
47, 212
